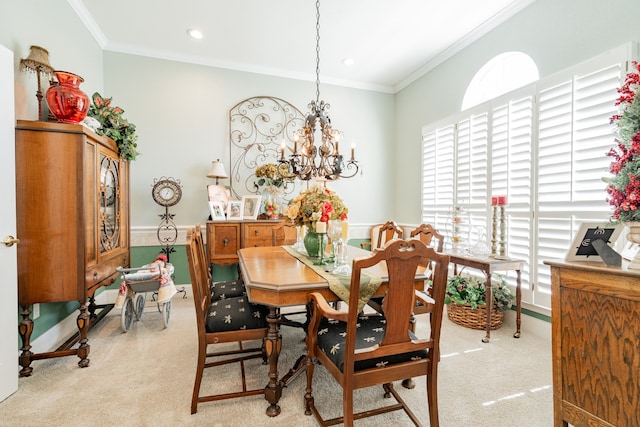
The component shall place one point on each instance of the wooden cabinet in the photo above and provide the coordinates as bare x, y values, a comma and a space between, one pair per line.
72, 207
224, 238
596, 344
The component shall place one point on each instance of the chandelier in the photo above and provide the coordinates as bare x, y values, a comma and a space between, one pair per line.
324, 161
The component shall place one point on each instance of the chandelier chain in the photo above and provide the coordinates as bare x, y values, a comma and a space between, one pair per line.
308, 160
317, 52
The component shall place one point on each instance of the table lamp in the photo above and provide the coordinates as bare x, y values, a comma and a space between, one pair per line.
217, 171
37, 62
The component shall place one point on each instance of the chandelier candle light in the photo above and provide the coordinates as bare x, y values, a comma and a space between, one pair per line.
307, 160
499, 232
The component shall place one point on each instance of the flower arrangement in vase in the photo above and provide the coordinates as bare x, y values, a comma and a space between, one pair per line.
272, 180
313, 205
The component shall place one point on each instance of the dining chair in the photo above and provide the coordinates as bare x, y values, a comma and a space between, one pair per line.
227, 320
363, 351
219, 289
381, 234
430, 237
284, 233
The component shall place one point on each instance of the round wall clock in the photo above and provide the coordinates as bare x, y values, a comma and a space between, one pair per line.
166, 192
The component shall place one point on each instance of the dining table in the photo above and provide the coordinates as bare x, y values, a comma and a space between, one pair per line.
281, 276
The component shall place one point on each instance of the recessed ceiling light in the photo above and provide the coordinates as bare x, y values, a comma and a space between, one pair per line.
348, 61
195, 33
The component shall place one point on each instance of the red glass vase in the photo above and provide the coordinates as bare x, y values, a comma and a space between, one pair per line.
66, 100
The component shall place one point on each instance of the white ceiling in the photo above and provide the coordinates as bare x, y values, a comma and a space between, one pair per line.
393, 42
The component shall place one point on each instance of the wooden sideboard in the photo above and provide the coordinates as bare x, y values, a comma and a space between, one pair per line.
595, 344
72, 208
224, 238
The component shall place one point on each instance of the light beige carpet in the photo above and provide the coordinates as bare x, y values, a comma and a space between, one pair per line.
145, 378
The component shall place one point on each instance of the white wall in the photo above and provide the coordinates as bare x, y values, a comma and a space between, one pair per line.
556, 34
181, 113
53, 25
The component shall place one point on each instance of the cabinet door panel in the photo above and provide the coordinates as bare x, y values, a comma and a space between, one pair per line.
223, 240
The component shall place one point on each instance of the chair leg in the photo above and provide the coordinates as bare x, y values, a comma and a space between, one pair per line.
199, 373
347, 407
432, 398
387, 390
308, 398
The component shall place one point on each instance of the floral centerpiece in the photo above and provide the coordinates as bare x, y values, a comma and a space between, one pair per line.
114, 125
624, 186
273, 179
313, 205
317, 203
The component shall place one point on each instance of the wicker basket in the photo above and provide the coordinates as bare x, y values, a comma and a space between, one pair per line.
474, 318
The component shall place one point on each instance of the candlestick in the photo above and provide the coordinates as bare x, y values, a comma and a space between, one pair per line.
345, 230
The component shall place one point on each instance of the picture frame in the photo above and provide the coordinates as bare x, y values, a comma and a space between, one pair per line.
219, 193
250, 206
581, 248
234, 210
630, 250
217, 211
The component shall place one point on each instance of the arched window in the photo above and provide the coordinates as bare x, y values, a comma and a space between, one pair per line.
502, 74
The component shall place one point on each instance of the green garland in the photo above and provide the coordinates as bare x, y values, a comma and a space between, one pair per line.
115, 126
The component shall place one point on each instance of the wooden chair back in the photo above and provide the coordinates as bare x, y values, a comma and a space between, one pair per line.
383, 233
402, 258
284, 233
427, 234
198, 271
430, 237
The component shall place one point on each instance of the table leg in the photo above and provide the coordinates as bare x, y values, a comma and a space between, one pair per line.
273, 343
488, 302
518, 303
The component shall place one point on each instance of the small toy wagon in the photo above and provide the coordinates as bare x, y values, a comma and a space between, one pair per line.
136, 282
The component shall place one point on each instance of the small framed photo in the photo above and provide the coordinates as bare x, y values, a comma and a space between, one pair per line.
582, 250
250, 206
234, 210
217, 211
219, 193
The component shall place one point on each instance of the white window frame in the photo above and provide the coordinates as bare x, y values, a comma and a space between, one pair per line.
465, 165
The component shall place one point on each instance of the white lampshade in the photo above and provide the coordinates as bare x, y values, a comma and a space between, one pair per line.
217, 170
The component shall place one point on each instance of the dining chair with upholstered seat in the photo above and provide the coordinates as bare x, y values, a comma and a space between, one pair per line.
381, 234
363, 351
219, 289
228, 320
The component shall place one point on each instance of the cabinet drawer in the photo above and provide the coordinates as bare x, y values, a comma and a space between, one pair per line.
223, 240
256, 235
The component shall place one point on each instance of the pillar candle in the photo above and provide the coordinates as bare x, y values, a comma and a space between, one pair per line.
502, 200
321, 227
345, 230
494, 201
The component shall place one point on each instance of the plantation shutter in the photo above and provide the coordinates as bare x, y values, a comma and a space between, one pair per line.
544, 147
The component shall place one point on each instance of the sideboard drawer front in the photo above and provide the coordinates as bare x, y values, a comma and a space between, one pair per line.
223, 240
258, 235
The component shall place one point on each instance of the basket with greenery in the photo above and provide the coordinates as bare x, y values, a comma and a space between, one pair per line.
466, 301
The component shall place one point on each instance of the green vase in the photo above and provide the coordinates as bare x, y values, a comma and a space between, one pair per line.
312, 243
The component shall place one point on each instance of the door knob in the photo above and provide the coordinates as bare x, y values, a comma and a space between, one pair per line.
10, 241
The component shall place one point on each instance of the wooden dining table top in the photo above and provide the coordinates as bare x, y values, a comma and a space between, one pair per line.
274, 277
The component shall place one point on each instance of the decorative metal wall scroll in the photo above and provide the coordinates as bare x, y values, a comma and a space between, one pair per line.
257, 128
